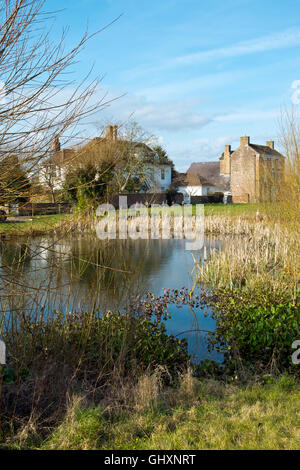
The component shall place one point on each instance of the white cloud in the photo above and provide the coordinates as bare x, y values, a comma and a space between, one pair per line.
170, 116
210, 81
199, 150
247, 115
281, 40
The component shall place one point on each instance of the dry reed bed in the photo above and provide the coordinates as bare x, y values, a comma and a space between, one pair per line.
264, 254
216, 225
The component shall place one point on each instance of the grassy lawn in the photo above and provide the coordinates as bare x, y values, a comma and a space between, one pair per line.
209, 416
46, 223
231, 209
217, 209
38, 224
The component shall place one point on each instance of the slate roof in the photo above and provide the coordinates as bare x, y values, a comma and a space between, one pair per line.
205, 169
209, 175
149, 155
187, 179
264, 149
203, 174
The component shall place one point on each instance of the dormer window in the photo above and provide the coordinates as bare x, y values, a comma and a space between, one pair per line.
162, 173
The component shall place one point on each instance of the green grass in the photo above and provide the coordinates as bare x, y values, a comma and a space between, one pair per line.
219, 209
232, 209
38, 225
47, 223
208, 415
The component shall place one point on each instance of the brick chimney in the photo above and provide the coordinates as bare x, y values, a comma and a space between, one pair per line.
109, 132
226, 163
270, 144
245, 141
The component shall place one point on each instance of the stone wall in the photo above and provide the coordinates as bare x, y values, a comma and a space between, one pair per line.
243, 175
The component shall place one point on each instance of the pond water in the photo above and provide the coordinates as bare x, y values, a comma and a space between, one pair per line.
83, 272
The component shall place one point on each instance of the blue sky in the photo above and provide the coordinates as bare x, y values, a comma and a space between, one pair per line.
197, 74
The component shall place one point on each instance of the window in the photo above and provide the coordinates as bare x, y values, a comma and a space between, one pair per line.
162, 174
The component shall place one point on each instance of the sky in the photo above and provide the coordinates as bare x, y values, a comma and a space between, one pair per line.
197, 74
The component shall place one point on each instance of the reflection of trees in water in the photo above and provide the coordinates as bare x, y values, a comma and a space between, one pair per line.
82, 272
118, 269
14, 257
74, 272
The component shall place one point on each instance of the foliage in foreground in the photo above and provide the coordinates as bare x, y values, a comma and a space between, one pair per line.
203, 414
256, 329
252, 285
51, 358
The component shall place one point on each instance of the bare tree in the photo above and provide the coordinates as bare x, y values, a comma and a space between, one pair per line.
37, 103
133, 156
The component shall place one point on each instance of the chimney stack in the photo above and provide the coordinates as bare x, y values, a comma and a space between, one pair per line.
245, 141
115, 132
109, 132
270, 144
112, 132
227, 150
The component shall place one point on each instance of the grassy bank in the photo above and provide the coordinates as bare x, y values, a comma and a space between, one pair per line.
198, 414
232, 210
36, 225
255, 295
84, 381
43, 224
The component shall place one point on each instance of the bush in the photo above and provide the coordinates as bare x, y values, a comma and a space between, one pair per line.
49, 359
256, 329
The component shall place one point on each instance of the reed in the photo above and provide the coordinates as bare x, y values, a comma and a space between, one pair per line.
266, 254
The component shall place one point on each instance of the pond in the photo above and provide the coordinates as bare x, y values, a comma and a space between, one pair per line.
82, 272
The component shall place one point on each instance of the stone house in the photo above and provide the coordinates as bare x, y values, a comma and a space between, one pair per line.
251, 173
255, 171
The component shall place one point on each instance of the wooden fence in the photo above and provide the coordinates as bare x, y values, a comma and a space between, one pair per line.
42, 208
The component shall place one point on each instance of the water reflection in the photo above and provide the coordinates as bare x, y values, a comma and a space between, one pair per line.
84, 272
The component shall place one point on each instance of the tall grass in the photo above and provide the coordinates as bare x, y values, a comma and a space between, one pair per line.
255, 279
205, 414
287, 209
268, 255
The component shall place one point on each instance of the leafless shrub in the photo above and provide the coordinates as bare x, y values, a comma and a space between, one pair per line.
37, 102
